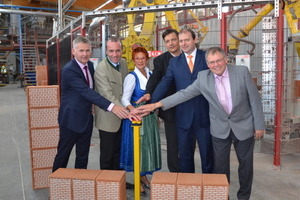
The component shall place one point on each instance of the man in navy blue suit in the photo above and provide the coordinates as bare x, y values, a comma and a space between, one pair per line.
75, 116
161, 63
192, 118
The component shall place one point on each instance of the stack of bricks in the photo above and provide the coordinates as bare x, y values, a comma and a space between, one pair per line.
87, 184
188, 186
43, 105
41, 75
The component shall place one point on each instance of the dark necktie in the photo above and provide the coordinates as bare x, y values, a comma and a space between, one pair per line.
87, 75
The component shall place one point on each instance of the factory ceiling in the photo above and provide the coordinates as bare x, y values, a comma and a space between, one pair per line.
73, 5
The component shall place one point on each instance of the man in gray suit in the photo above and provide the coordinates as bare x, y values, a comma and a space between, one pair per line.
235, 111
109, 76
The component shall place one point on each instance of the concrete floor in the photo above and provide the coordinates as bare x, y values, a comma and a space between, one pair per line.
15, 169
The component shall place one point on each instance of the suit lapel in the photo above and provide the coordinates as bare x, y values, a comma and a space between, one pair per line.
233, 84
183, 62
79, 69
212, 85
197, 61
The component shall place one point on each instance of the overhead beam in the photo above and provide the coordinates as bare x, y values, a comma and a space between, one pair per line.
176, 6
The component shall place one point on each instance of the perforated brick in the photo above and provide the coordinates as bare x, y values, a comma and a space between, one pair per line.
44, 138
215, 186
61, 184
163, 186
42, 158
43, 105
40, 178
189, 186
43, 117
84, 184
111, 185
43, 96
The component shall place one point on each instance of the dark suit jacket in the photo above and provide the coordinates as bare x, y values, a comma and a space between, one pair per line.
161, 64
179, 73
77, 98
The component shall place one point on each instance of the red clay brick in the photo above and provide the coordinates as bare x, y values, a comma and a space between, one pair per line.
189, 186
163, 186
111, 184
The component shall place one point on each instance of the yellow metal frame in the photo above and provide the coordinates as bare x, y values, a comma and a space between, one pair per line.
145, 38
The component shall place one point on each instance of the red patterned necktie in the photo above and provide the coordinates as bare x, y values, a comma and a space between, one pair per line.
87, 75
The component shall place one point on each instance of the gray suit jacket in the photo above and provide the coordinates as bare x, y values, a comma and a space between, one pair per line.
247, 112
109, 83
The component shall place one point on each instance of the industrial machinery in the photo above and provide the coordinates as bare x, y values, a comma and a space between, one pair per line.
290, 108
145, 38
292, 12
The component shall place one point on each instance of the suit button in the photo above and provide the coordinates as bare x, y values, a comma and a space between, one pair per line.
228, 117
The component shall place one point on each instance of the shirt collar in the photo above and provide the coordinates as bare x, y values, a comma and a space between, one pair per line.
80, 64
225, 73
114, 64
193, 53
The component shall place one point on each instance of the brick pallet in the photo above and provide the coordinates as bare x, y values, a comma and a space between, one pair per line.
43, 105
188, 186
87, 184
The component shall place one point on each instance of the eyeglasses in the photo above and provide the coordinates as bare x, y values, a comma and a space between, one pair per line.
217, 61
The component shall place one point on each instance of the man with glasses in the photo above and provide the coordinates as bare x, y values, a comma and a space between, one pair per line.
235, 111
192, 119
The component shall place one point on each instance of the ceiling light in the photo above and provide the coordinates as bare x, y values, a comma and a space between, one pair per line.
103, 5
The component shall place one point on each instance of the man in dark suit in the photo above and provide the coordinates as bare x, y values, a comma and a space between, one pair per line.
161, 63
75, 114
192, 119
235, 111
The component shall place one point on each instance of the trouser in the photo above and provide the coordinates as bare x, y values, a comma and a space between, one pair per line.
244, 152
110, 144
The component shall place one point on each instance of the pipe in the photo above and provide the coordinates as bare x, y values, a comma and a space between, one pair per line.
60, 15
68, 5
35, 8
27, 12
279, 90
103, 37
21, 44
223, 35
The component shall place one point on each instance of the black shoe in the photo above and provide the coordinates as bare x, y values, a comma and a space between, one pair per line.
144, 194
129, 185
146, 186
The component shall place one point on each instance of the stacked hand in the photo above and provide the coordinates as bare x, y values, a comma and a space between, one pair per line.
145, 109
144, 98
121, 112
